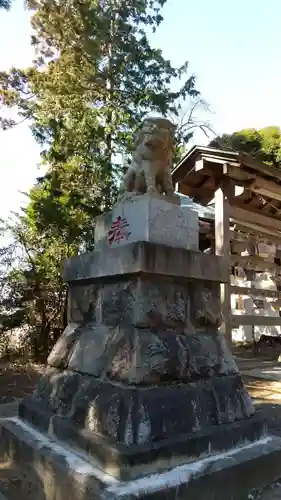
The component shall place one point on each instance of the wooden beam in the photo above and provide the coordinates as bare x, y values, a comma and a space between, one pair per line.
212, 166
220, 160
257, 230
218, 169
255, 292
243, 234
266, 188
203, 194
238, 174
259, 166
255, 263
253, 320
252, 216
222, 248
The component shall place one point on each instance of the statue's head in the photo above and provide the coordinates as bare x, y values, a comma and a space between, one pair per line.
155, 137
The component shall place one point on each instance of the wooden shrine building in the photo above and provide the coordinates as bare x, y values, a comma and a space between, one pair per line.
244, 196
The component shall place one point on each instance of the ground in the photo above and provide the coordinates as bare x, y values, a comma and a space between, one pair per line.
18, 379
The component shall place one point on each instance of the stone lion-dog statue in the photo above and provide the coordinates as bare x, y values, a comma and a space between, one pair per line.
150, 170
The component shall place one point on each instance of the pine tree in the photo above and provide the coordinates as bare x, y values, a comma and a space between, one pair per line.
94, 78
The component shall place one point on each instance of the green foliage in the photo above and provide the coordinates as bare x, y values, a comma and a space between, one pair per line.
264, 144
95, 77
32, 290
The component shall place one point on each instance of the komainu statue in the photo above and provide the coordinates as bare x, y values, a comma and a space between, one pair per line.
150, 170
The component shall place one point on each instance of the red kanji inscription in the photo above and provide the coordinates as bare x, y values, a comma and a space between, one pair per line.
118, 230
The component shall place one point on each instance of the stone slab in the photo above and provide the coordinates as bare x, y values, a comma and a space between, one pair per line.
142, 258
58, 472
147, 218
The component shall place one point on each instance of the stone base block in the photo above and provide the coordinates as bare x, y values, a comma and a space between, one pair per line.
135, 431
225, 476
129, 462
48, 470
154, 302
146, 218
56, 472
145, 258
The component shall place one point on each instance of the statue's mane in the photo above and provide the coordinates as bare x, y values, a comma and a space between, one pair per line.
140, 136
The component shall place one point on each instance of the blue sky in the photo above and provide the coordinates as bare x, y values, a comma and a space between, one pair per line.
233, 47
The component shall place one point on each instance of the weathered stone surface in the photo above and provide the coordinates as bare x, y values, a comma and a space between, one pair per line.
82, 303
59, 357
205, 306
147, 219
95, 349
141, 356
56, 389
146, 258
46, 470
49, 471
224, 476
147, 303
164, 357
131, 416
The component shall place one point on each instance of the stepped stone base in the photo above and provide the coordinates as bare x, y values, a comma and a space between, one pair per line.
128, 435
141, 380
141, 385
51, 471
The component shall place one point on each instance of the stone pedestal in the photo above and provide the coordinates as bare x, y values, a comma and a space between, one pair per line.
146, 218
141, 382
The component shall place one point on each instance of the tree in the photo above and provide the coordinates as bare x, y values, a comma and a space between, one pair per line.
5, 4
94, 78
190, 119
264, 144
32, 290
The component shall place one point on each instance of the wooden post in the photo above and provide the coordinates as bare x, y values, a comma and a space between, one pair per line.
222, 247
